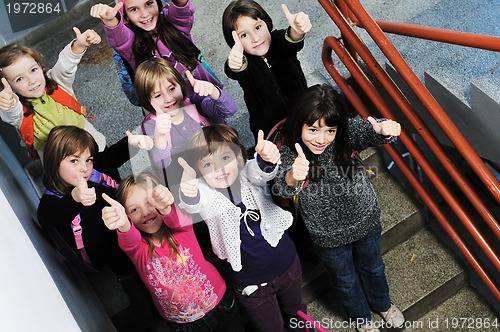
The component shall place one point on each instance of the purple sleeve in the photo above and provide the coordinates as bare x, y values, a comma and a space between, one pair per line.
218, 110
264, 165
121, 39
182, 18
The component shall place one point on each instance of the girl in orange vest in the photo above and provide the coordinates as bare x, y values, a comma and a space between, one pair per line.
35, 100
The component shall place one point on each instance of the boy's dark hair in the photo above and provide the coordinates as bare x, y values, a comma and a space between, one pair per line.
144, 44
321, 101
239, 8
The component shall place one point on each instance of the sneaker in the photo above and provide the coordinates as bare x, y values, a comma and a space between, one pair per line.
393, 317
368, 327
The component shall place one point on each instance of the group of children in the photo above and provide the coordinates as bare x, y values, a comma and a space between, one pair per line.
200, 168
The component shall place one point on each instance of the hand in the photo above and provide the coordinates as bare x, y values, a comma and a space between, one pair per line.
189, 182
106, 13
143, 142
162, 129
386, 128
114, 216
267, 150
203, 88
86, 39
82, 193
7, 97
300, 22
300, 167
235, 57
160, 197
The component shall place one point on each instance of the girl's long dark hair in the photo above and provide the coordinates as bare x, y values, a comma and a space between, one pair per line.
182, 48
321, 102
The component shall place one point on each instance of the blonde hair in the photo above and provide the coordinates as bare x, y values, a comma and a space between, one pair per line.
151, 71
123, 193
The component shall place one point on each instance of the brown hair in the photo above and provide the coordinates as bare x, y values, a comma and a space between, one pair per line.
151, 71
11, 53
239, 8
210, 139
63, 141
123, 193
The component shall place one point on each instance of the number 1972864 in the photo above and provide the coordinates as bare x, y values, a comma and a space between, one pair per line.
32, 8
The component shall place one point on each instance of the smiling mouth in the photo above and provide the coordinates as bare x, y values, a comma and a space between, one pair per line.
222, 177
147, 21
257, 46
36, 88
149, 221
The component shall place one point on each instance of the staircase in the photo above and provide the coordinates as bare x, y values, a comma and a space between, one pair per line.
426, 281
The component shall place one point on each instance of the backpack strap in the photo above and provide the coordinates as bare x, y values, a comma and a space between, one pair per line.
96, 177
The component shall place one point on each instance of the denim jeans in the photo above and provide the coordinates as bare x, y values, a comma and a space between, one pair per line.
223, 318
356, 271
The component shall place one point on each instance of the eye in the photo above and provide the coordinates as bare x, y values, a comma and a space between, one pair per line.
226, 157
133, 210
149, 3
172, 88
73, 160
158, 95
313, 130
19, 79
258, 27
34, 69
243, 35
90, 160
131, 10
332, 131
206, 164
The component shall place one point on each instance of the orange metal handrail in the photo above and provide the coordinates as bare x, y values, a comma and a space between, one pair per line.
357, 45
455, 136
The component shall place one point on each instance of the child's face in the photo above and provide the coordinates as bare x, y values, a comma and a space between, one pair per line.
318, 136
142, 13
254, 35
144, 215
72, 166
25, 77
167, 97
220, 169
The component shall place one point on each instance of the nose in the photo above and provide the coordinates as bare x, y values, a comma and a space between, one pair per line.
83, 167
320, 139
255, 37
144, 13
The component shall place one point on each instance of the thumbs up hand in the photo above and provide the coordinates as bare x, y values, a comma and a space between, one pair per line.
189, 182
82, 193
300, 168
143, 142
300, 23
7, 97
160, 197
106, 13
386, 128
162, 128
267, 150
203, 88
235, 57
114, 216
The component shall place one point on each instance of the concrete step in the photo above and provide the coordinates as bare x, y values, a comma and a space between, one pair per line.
463, 311
421, 274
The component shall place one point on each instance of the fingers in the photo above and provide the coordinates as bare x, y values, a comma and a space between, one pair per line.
105, 12
300, 152
373, 122
188, 170
190, 78
189, 182
288, 15
82, 183
7, 96
149, 190
235, 57
267, 150
77, 32
237, 43
109, 200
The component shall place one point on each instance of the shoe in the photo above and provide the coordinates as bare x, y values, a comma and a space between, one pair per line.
393, 317
368, 327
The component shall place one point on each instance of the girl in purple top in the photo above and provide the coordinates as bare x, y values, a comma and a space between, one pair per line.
154, 30
174, 115
187, 290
